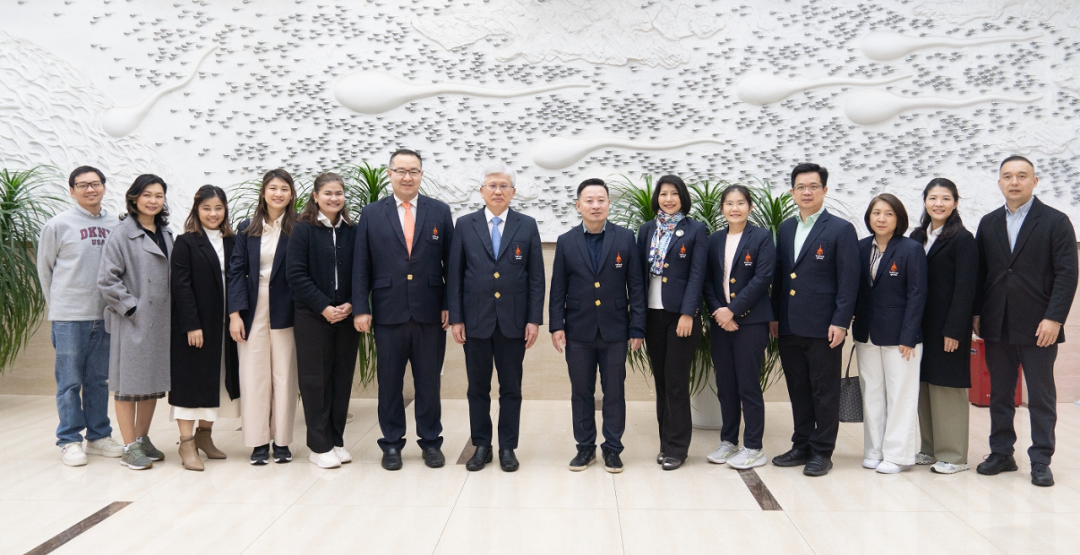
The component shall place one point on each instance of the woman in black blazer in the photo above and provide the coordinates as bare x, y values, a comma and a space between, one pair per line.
260, 306
952, 261
319, 268
888, 335
742, 259
672, 248
204, 367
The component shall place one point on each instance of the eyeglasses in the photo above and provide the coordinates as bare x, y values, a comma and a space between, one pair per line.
494, 187
402, 173
90, 185
811, 188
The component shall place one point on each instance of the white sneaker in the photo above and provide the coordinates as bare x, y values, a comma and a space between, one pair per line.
886, 467
871, 463
73, 454
924, 459
723, 452
747, 458
342, 455
325, 460
106, 447
942, 467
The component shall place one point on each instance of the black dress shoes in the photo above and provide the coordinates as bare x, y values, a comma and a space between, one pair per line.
1041, 475
612, 462
261, 455
480, 458
282, 454
791, 458
671, 463
434, 458
391, 459
585, 457
818, 465
508, 460
996, 463
660, 458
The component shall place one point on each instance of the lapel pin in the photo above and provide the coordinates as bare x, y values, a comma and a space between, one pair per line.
679, 233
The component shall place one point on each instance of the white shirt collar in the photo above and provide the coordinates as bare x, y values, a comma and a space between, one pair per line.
489, 214
412, 202
276, 224
326, 221
936, 232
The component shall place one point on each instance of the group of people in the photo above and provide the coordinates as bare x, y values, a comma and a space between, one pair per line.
239, 323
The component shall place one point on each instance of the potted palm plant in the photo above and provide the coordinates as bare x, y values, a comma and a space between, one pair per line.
26, 203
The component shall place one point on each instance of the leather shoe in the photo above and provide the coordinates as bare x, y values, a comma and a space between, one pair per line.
791, 458
434, 458
612, 462
585, 456
508, 460
671, 463
391, 459
995, 464
1041, 475
660, 458
480, 457
818, 465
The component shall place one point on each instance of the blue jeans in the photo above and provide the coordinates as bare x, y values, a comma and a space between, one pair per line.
82, 380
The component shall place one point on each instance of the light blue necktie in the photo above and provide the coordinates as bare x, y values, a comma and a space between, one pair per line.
496, 237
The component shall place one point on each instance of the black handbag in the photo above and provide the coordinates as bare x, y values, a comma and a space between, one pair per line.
850, 395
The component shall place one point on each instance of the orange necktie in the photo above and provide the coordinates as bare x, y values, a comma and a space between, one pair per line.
409, 227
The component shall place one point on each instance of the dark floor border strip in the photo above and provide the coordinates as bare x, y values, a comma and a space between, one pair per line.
467, 452
83, 525
760, 491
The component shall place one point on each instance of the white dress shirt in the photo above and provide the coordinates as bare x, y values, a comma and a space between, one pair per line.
730, 247
502, 224
326, 222
268, 248
932, 237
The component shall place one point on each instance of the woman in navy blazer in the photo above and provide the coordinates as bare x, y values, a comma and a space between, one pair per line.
742, 259
888, 336
673, 249
261, 319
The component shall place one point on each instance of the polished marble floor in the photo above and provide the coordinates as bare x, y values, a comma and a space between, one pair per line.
233, 507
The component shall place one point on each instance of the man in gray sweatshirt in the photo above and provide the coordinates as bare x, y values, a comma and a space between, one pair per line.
68, 254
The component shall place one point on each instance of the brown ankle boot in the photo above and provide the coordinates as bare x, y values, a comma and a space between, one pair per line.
189, 456
206, 445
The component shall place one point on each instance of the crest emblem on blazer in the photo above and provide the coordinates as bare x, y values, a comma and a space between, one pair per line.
892, 270
682, 251
820, 255
435, 233
517, 252
747, 260
618, 260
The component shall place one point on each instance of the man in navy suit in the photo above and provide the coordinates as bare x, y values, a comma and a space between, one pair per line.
400, 261
597, 304
815, 287
496, 297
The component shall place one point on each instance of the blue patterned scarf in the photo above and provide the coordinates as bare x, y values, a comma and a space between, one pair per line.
665, 229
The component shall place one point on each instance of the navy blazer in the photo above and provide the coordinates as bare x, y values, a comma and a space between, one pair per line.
1036, 280
890, 307
751, 275
314, 254
684, 265
585, 302
401, 288
484, 289
243, 280
817, 287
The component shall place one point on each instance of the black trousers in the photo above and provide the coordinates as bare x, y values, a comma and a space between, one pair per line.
671, 357
423, 345
812, 372
582, 361
1003, 360
507, 355
325, 363
737, 356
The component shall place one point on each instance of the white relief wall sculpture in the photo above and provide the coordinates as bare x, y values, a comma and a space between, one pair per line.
885, 93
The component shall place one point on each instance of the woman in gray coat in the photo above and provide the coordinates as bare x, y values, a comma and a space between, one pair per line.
134, 279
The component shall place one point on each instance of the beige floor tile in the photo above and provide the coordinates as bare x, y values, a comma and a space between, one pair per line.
649, 532
539, 486
103, 479
368, 530
28, 524
524, 531
13, 470
697, 485
1041, 533
846, 488
889, 533
415, 485
237, 482
181, 528
38, 411
1008, 492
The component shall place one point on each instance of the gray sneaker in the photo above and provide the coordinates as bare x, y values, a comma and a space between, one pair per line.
152, 452
723, 452
135, 458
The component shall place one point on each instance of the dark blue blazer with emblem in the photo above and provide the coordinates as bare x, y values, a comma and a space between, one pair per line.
484, 289
817, 287
610, 302
243, 280
684, 265
751, 275
400, 287
890, 307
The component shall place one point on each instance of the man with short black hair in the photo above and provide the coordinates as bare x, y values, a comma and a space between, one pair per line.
68, 254
597, 304
1024, 290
